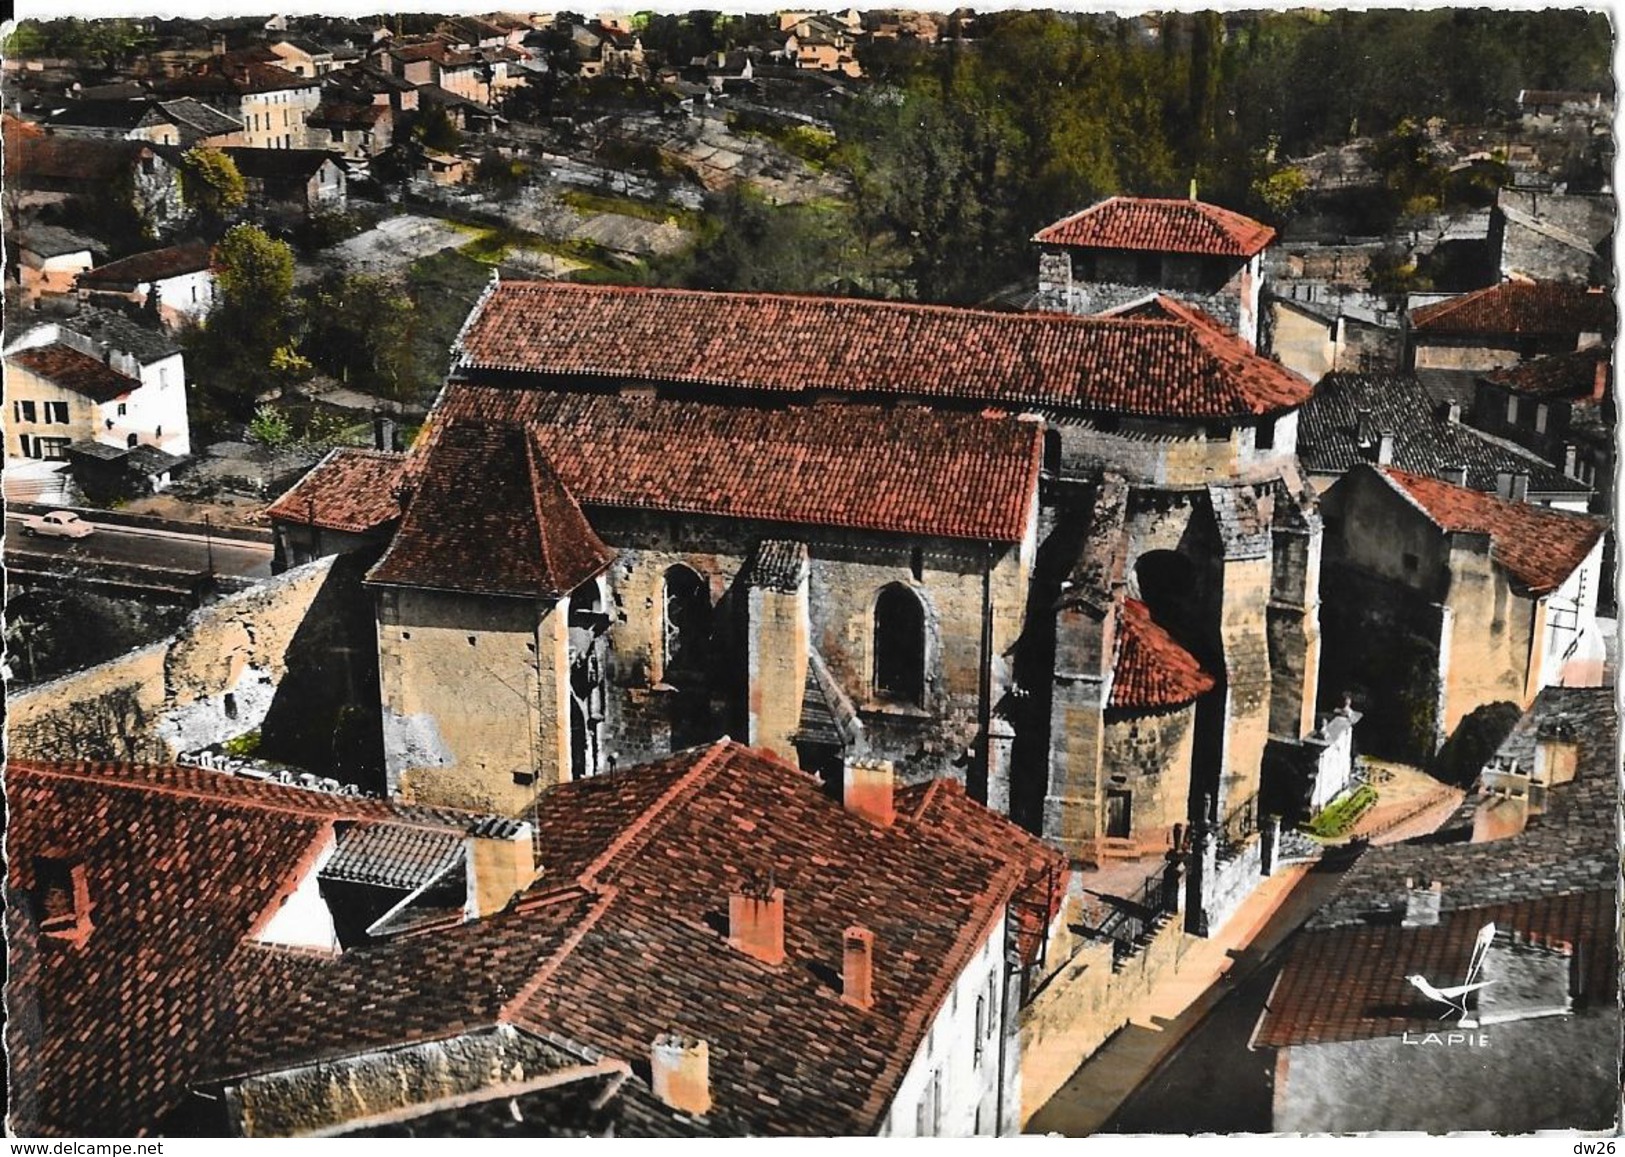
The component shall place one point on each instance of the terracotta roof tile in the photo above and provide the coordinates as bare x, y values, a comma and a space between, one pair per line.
1348, 983
1538, 546
1573, 375
488, 493
1519, 307
1168, 368
1162, 225
181, 865
32, 157
67, 367
904, 470
153, 265
350, 490
392, 855
1151, 669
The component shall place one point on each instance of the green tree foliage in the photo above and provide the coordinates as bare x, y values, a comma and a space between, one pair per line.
434, 130
103, 44
211, 185
745, 243
357, 331
236, 350
270, 427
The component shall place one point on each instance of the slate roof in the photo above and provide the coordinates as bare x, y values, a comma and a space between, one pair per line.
1570, 375
1519, 307
393, 856
153, 265
236, 74
912, 471
146, 342
199, 117
182, 865
1345, 976
491, 516
278, 164
106, 114
1160, 225
1538, 546
67, 367
1151, 670
1330, 439
53, 240
350, 490
773, 343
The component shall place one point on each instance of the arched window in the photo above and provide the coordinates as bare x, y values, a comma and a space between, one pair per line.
688, 621
899, 646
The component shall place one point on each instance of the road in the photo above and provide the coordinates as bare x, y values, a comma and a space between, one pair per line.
138, 546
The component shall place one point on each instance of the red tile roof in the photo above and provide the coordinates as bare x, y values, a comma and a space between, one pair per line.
1152, 670
1165, 368
1519, 307
491, 516
1348, 983
1583, 375
1160, 225
182, 865
350, 490
67, 367
904, 470
32, 157
616, 942
154, 265
1539, 547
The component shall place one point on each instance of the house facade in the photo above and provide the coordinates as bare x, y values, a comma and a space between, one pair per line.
95, 378
270, 102
175, 282
1507, 324
1476, 598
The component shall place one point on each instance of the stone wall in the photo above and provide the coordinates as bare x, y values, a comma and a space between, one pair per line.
1148, 754
1218, 886
214, 679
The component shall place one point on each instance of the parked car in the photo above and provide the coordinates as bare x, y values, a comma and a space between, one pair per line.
57, 524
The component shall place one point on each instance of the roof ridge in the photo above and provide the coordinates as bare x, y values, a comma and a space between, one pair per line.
643, 828
81, 771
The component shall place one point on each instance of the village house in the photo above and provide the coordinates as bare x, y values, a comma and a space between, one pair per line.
1560, 407
351, 502
1126, 248
356, 129
465, 73
102, 380
363, 83
270, 102
455, 971
1315, 329
291, 182
175, 282
111, 183
185, 122
1447, 599
820, 43
1517, 893
49, 258
301, 57
1508, 323
1390, 420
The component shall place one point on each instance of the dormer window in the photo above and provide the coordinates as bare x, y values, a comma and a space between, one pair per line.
62, 897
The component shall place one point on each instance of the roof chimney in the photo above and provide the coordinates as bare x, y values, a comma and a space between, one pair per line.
383, 432
756, 922
1422, 904
1503, 484
1557, 754
1385, 450
858, 967
680, 1070
1452, 411
501, 864
1365, 431
1571, 459
869, 790
1456, 475
1599, 383
1520, 486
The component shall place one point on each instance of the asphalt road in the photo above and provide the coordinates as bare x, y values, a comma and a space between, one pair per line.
184, 553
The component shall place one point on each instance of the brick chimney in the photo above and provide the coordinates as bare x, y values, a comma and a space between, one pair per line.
1422, 904
869, 789
501, 864
858, 967
756, 922
680, 1070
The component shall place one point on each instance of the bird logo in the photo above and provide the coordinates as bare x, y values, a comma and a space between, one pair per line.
1455, 996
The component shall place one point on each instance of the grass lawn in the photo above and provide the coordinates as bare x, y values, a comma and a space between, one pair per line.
1342, 814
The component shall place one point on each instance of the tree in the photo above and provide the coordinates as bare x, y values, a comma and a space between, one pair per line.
211, 185
235, 351
358, 331
434, 130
